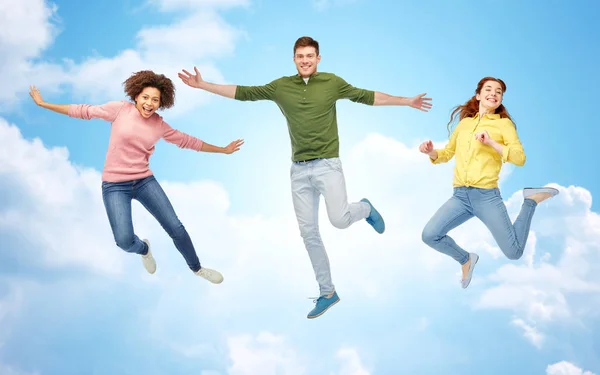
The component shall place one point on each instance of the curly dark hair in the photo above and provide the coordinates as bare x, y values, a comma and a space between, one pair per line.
147, 78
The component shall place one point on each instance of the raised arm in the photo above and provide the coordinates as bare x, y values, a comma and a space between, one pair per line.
196, 81
229, 149
510, 149
443, 155
107, 111
377, 98
34, 92
418, 102
237, 92
513, 151
183, 140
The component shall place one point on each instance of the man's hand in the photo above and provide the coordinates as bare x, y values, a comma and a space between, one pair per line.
194, 80
420, 103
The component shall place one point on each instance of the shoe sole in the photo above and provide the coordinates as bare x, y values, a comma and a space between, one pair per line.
528, 191
324, 311
216, 282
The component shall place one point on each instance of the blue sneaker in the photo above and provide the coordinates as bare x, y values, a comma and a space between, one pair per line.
323, 304
375, 218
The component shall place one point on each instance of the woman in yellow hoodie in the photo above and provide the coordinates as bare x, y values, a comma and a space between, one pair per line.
482, 141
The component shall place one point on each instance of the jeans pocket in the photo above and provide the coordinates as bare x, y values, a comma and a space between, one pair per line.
292, 169
489, 193
333, 163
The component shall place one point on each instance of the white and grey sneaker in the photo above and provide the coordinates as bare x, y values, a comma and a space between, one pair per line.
213, 276
148, 260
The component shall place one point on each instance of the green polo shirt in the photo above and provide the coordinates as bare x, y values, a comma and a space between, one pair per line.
310, 110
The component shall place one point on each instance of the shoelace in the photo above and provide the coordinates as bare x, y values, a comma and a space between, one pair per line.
205, 272
315, 299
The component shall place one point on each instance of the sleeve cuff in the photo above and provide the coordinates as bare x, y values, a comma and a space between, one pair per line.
436, 161
505, 152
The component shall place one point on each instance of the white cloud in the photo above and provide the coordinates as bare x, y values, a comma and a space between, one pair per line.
566, 368
198, 37
66, 224
530, 333
545, 290
17, 35
262, 257
351, 363
195, 40
68, 211
267, 354
28, 28
271, 354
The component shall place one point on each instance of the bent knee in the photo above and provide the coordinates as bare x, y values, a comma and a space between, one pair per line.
512, 250
340, 222
124, 240
429, 236
514, 255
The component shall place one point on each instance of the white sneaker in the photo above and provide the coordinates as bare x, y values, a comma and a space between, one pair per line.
148, 260
213, 276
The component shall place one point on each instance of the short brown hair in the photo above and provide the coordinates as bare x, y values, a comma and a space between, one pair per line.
147, 78
306, 41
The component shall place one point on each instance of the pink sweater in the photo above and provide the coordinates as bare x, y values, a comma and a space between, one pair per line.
132, 138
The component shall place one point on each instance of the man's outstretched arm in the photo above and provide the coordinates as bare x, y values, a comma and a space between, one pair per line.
237, 92
418, 102
370, 97
196, 81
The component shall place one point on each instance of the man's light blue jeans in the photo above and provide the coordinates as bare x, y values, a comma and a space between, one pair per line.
310, 180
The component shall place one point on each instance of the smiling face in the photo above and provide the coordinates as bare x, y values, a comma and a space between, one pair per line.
306, 60
490, 97
148, 101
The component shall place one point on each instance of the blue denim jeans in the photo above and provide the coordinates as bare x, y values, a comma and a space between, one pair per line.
487, 205
117, 198
310, 180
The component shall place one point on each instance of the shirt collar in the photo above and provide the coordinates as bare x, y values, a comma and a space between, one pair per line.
299, 78
494, 116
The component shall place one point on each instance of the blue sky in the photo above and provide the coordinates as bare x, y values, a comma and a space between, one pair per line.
71, 302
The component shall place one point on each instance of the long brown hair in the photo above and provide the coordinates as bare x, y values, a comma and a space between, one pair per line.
471, 107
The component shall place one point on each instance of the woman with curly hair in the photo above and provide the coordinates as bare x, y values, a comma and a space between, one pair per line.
136, 128
483, 140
